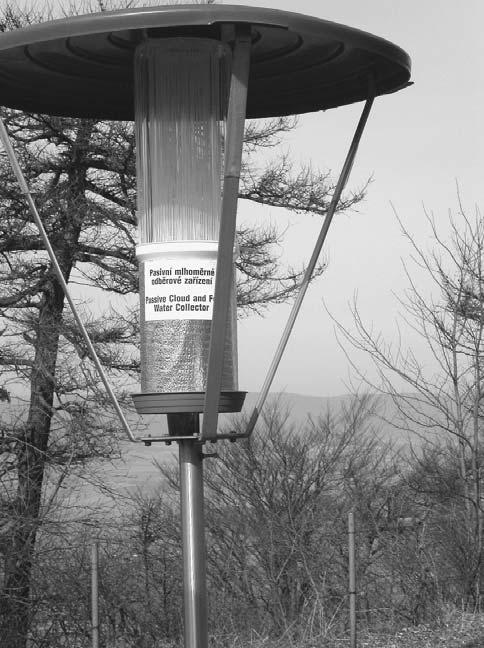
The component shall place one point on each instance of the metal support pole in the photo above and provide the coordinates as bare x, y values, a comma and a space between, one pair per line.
94, 595
193, 533
352, 577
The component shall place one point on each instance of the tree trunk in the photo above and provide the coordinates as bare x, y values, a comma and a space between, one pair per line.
31, 458
32, 448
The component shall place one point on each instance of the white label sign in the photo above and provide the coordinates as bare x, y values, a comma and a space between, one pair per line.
179, 289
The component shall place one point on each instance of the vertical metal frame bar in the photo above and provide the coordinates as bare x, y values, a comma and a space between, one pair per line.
224, 274
343, 178
95, 593
352, 578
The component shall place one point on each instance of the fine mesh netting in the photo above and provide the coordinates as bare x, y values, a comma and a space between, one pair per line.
180, 100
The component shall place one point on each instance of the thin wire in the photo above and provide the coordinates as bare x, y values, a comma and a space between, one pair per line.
43, 234
345, 172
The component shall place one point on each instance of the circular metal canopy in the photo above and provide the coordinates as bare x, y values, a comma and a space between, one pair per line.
83, 66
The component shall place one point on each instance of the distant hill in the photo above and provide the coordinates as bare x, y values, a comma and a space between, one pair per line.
136, 468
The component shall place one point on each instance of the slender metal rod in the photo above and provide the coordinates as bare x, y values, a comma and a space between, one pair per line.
4, 137
352, 578
225, 257
95, 594
343, 178
193, 540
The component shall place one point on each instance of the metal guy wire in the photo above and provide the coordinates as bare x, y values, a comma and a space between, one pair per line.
4, 137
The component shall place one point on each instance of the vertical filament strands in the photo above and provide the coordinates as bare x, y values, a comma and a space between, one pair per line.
180, 97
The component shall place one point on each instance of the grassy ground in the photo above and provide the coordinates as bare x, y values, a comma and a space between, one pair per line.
458, 630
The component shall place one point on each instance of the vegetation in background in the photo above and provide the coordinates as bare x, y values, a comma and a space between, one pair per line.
277, 509
445, 405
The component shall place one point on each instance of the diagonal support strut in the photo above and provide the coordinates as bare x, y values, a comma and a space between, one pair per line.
5, 139
343, 178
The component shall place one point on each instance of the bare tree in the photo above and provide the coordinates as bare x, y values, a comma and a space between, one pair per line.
276, 509
450, 320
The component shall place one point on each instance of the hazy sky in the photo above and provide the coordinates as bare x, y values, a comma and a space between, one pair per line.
418, 143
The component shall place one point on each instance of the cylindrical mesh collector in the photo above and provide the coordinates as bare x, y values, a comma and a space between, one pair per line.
180, 97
